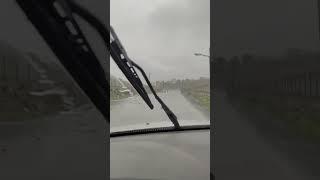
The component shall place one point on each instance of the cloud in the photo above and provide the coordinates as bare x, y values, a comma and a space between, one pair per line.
265, 27
162, 36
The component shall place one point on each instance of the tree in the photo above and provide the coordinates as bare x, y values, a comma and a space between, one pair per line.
247, 58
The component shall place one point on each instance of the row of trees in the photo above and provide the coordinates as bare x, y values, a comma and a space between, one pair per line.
295, 73
179, 84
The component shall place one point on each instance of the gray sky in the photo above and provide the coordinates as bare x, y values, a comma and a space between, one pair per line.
162, 36
266, 27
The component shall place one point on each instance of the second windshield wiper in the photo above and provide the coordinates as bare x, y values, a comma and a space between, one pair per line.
120, 56
170, 114
126, 65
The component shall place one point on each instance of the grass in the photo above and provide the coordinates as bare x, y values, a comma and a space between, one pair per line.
297, 116
203, 100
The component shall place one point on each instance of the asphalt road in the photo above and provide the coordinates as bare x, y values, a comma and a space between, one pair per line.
134, 110
240, 153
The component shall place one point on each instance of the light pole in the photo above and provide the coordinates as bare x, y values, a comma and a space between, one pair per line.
200, 54
210, 59
208, 56
204, 55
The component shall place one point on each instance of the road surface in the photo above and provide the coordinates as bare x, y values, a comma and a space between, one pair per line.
134, 110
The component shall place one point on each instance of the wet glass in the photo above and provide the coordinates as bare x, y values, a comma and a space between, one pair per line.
162, 37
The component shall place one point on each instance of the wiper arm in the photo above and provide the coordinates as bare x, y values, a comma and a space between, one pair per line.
65, 38
115, 48
121, 58
170, 114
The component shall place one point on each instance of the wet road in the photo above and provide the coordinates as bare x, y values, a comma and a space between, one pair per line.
134, 110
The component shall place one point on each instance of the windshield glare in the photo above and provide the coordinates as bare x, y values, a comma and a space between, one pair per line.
174, 55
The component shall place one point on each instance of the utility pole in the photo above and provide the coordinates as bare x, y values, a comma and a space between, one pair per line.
210, 58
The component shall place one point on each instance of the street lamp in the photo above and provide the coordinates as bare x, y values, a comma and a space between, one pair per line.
205, 55
208, 56
200, 54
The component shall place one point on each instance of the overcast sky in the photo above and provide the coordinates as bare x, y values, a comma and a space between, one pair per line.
163, 35
266, 27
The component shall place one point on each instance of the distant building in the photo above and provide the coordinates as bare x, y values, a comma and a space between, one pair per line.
119, 88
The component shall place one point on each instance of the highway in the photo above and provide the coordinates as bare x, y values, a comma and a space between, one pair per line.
134, 110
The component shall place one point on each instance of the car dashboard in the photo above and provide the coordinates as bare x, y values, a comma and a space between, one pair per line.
163, 155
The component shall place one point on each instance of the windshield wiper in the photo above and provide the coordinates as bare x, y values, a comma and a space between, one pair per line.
65, 38
121, 58
170, 114
119, 54
76, 55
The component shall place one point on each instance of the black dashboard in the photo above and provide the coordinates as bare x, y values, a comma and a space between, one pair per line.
170, 155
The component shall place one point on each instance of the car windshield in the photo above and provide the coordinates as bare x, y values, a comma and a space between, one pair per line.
170, 41
174, 58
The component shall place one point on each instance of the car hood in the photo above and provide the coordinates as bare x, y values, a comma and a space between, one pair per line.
159, 124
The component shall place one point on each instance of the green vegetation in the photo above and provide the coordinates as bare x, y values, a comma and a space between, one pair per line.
198, 91
115, 94
294, 115
201, 99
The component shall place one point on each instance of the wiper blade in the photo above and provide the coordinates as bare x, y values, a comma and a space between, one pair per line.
159, 130
65, 38
121, 58
115, 48
170, 114
127, 66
